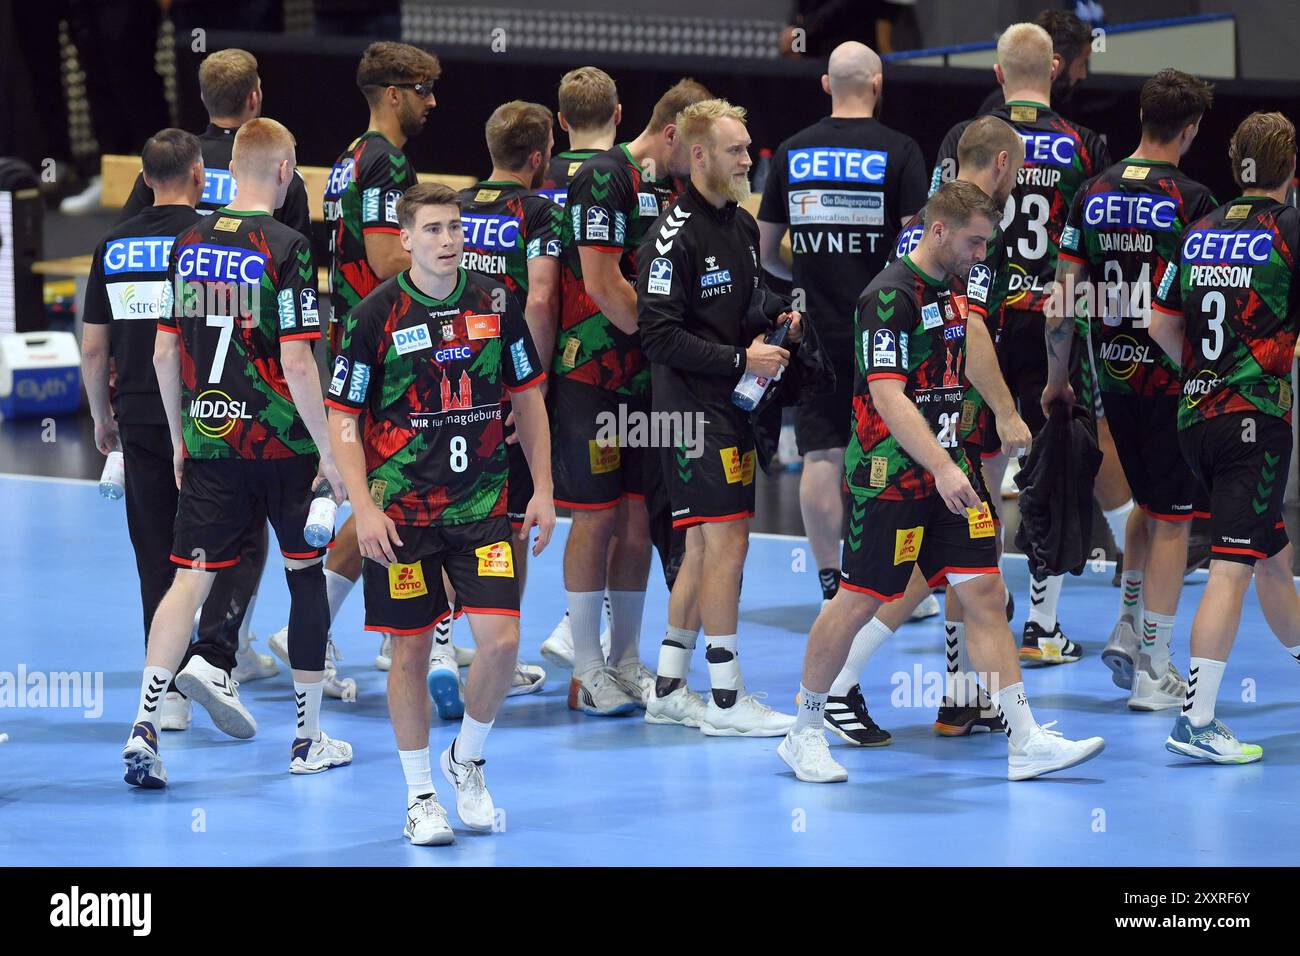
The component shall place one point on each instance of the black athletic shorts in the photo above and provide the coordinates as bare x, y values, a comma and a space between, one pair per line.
1145, 429
1022, 354
670, 542
973, 452
887, 537
217, 497
716, 486
591, 474
408, 597
823, 420
1245, 481
519, 484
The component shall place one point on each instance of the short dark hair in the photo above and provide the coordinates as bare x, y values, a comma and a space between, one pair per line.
515, 131
386, 62
956, 202
1262, 151
225, 80
424, 194
1170, 101
1069, 34
685, 92
169, 155
983, 140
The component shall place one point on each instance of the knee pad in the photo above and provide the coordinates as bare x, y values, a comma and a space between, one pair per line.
309, 617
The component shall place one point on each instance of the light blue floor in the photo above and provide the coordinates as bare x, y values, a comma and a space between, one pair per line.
579, 790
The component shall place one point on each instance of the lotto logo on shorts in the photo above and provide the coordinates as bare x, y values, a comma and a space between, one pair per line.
495, 560
738, 468
406, 581
604, 459
980, 521
907, 544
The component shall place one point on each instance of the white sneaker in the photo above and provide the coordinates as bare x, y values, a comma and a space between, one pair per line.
219, 694
88, 200
600, 693
445, 688
473, 802
384, 659
313, 756
331, 684
747, 717
558, 648
683, 707
144, 767
426, 823
637, 679
251, 665
1152, 691
464, 655
1121, 653
1046, 751
809, 756
175, 712
528, 679
929, 607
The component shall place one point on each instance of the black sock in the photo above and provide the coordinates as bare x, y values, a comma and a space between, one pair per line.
830, 582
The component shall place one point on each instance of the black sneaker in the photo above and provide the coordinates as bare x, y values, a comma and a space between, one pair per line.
848, 718
1048, 647
954, 721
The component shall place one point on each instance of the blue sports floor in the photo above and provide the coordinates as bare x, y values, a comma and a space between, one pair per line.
579, 790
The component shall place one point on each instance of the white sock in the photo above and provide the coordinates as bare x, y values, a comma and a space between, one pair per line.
337, 588
960, 683
1203, 678
865, 643
1014, 706
1117, 519
625, 631
468, 745
1157, 635
675, 653
246, 625
419, 776
153, 685
307, 697
812, 706
441, 647
584, 624
1130, 597
1043, 595
724, 668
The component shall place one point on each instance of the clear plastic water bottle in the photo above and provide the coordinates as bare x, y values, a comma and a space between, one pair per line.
761, 169
750, 389
320, 517
112, 481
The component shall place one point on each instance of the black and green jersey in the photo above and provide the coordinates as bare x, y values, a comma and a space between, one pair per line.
505, 226
909, 327
1233, 281
239, 284
428, 377
611, 205
360, 197
1059, 157
980, 293
1125, 225
560, 172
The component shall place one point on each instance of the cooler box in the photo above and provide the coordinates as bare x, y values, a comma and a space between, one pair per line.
40, 374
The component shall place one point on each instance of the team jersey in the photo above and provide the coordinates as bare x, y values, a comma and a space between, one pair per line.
428, 377
1233, 281
843, 187
241, 283
1059, 157
216, 143
909, 326
611, 205
560, 172
505, 226
360, 197
1125, 226
980, 293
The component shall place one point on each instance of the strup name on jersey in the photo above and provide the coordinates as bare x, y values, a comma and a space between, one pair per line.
210, 263
838, 165
137, 254
1131, 211
829, 207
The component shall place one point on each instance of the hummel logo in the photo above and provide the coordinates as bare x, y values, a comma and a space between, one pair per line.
673, 223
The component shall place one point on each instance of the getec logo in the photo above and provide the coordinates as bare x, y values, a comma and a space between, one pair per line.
215, 413
218, 187
452, 354
1130, 210
833, 164
1048, 149
498, 233
1247, 245
339, 178
220, 264
137, 254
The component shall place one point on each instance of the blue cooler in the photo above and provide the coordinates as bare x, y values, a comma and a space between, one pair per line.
40, 374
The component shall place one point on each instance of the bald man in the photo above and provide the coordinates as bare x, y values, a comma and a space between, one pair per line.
1059, 157
242, 396
842, 187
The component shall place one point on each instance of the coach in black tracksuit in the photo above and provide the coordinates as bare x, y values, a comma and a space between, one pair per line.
123, 300
699, 276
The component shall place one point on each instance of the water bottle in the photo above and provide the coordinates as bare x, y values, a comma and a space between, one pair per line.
320, 518
761, 169
751, 387
112, 481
